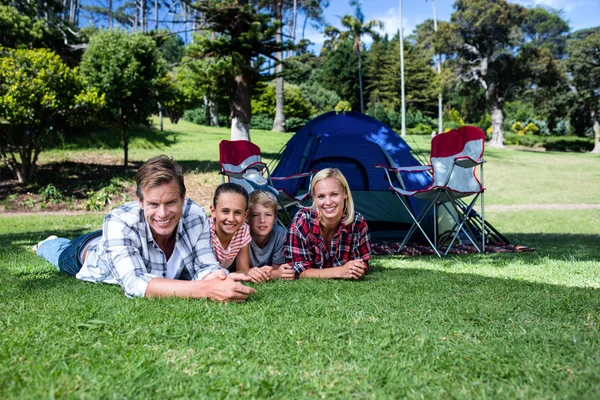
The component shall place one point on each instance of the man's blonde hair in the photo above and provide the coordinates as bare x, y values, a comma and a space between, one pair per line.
263, 198
348, 216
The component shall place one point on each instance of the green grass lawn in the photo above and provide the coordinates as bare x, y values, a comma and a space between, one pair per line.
513, 325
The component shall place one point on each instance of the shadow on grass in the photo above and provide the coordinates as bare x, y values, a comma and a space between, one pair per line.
142, 136
73, 178
197, 166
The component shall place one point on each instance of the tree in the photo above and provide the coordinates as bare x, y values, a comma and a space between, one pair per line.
127, 69
584, 65
40, 25
356, 29
339, 73
487, 45
39, 97
545, 27
245, 37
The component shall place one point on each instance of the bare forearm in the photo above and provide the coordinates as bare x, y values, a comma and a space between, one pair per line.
161, 287
325, 273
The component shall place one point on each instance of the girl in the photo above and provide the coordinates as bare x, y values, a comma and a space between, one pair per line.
230, 235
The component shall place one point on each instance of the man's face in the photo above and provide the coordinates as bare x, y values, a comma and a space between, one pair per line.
261, 220
163, 208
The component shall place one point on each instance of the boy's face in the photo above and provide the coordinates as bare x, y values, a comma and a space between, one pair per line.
261, 220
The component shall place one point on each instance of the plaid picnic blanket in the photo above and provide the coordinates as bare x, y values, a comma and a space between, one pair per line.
415, 249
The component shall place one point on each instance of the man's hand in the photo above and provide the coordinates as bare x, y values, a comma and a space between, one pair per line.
229, 289
260, 274
285, 272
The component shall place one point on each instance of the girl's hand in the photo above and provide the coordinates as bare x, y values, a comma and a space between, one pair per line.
353, 269
260, 274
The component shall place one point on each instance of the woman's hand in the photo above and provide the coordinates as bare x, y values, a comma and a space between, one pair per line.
260, 274
353, 269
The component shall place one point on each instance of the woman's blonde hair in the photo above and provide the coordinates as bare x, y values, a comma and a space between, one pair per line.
348, 216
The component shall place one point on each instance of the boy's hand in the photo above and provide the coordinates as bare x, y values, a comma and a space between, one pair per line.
260, 274
285, 272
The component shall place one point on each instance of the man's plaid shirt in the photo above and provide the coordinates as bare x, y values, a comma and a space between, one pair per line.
305, 247
128, 255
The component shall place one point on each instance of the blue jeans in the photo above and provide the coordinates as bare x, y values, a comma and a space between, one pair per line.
64, 253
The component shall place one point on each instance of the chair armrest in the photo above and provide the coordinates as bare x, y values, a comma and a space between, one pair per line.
467, 162
416, 168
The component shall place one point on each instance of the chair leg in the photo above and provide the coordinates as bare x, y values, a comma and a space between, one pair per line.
417, 224
461, 223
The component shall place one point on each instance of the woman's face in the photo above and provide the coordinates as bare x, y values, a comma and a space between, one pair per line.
329, 199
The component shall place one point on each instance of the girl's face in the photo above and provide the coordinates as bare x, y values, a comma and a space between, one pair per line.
329, 199
229, 214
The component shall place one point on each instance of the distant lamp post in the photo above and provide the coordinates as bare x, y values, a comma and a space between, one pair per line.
439, 70
403, 106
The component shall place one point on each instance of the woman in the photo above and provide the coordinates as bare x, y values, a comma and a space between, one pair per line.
329, 240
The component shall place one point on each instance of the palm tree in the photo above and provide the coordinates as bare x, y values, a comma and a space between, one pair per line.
356, 27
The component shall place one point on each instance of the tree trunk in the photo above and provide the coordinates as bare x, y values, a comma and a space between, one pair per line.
497, 122
110, 14
294, 17
241, 109
214, 114
360, 84
596, 149
156, 15
160, 115
279, 122
125, 147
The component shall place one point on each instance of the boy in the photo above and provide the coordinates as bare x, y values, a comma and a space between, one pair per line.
266, 249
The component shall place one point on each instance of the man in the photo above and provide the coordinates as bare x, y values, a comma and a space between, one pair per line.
156, 247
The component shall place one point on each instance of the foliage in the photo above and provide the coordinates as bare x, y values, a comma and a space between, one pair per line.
339, 74
295, 105
321, 100
126, 68
39, 97
31, 25
545, 27
551, 143
293, 124
242, 36
584, 64
488, 51
262, 121
97, 200
171, 47
196, 116
355, 28
50, 194
342, 106
299, 69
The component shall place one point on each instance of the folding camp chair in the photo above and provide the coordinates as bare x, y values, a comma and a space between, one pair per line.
454, 158
241, 163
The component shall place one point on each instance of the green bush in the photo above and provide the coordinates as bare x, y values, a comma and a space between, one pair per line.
262, 121
551, 143
294, 124
568, 143
196, 116
420, 129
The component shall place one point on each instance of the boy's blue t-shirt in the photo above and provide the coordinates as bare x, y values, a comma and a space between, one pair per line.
272, 253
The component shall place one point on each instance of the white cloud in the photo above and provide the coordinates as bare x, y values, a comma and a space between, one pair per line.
566, 5
391, 23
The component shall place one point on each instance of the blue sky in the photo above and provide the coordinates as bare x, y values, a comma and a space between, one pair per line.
579, 13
